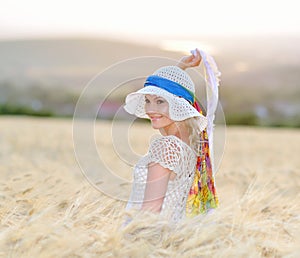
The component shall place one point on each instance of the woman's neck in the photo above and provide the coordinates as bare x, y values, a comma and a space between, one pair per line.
177, 129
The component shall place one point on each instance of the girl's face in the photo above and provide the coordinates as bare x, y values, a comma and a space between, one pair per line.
157, 108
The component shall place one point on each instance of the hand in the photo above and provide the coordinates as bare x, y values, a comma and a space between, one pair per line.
190, 61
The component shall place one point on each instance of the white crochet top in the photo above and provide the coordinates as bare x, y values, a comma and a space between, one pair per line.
174, 154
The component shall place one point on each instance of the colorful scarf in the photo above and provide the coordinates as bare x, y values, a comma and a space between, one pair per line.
202, 196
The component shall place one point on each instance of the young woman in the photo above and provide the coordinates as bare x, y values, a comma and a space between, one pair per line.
175, 178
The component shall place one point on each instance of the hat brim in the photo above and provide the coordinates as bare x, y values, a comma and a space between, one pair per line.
179, 108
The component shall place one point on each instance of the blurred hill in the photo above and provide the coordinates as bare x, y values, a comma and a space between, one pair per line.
260, 76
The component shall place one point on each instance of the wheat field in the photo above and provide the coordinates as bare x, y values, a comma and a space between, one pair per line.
48, 208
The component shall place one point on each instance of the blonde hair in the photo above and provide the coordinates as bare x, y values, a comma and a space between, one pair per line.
193, 126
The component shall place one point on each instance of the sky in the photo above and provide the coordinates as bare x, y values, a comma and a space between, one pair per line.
147, 21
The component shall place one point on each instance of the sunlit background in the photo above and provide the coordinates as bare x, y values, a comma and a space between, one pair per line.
58, 46
148, 21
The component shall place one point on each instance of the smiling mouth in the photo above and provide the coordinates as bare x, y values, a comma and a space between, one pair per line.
155, 118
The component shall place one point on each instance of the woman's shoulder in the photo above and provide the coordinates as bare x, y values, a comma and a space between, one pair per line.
170, 142
171, 152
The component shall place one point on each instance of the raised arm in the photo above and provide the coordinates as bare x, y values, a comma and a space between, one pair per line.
190, 61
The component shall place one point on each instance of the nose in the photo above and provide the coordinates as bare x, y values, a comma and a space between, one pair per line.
150, 108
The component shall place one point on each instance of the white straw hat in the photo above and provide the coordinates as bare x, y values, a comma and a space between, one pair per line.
179, 108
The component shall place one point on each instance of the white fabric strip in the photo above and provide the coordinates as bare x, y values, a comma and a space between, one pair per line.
212, 75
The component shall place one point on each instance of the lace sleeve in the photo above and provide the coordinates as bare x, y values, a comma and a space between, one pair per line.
167, 152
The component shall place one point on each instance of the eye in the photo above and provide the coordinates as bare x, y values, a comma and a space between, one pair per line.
147, 100
160, 101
